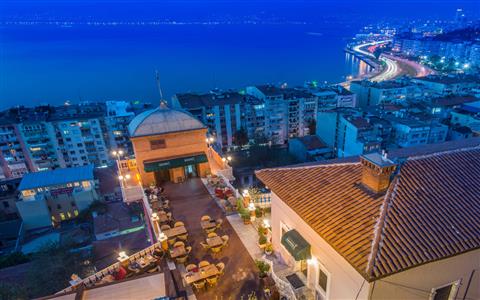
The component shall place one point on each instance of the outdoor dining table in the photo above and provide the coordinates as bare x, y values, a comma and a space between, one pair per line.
178, 252
146, 261
202, 273
214, 241
175, 231
208, 224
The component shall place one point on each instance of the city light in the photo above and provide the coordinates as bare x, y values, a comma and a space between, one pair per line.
466, 66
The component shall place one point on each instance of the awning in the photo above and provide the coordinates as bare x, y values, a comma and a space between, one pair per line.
157, 165
298, 247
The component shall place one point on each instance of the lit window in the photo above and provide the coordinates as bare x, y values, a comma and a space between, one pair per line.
62, 216
69, 214
75, 212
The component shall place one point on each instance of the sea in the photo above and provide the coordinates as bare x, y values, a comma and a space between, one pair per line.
57, 51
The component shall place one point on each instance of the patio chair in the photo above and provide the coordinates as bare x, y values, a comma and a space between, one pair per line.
165, 227
191, 267
225, 239
179, 244
221, 268
205, 246
212, 234
212, 281
219, 223
209, 230
183, 237
203, 263
181, 259
216, 249
178, 224
172, 241
169, 215
199, 285
205, 218
188, 249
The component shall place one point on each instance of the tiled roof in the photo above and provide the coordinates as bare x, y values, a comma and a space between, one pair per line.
430, 212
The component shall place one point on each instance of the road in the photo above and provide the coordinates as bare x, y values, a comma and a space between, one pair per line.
391, 70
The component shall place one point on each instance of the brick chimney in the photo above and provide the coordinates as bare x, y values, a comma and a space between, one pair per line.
377, 171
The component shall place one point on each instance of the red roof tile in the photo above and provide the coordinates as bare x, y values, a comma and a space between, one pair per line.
431, 210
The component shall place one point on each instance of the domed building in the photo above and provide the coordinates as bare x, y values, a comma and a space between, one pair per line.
169, 145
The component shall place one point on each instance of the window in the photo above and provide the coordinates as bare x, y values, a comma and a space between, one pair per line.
446, 292
322, 279
62, 216
157, 144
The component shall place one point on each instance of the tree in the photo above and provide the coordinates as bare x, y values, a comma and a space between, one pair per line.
52, 267
240, 137
12, 291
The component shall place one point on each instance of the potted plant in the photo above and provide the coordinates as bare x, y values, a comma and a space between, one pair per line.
258, 212
263, 268
262, 241
268, 249
246, 218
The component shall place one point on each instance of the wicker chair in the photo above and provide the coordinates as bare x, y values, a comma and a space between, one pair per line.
178, 224
212, 234
205, 246
181, 259
183, 237
205, 218
216, 249
172, 241
179, 244
219, 223
221, 268
199, 285
210, 230
225, 239
188, 249
191, 267
212, 281
203, 263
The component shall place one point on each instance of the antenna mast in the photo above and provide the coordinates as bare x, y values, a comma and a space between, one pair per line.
157, 78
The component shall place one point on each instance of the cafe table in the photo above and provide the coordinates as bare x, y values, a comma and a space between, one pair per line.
178, 252
214, 241
208, 224
202, 273
175, 231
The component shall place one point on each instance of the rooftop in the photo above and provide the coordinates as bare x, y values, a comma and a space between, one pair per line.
56, 177
312, 142
162, 120
410, 225
449, 79
193, 100
391, 84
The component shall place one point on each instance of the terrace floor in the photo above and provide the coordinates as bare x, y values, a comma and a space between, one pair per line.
189, 201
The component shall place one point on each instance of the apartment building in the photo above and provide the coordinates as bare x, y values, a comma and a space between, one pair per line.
443, 85
289, 111
49, 137
49, 197
224, 113
468, 115
14, 161
411, 132
385, 92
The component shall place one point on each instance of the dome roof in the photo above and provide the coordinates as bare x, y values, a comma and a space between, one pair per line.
162, 120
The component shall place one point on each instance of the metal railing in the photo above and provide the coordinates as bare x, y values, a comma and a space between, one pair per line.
92, 279
284, 288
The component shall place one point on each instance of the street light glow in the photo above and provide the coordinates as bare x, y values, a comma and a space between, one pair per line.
120, 177
229, 158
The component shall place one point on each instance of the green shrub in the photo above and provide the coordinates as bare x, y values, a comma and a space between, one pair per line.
262, 239
13, 259
263, 267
